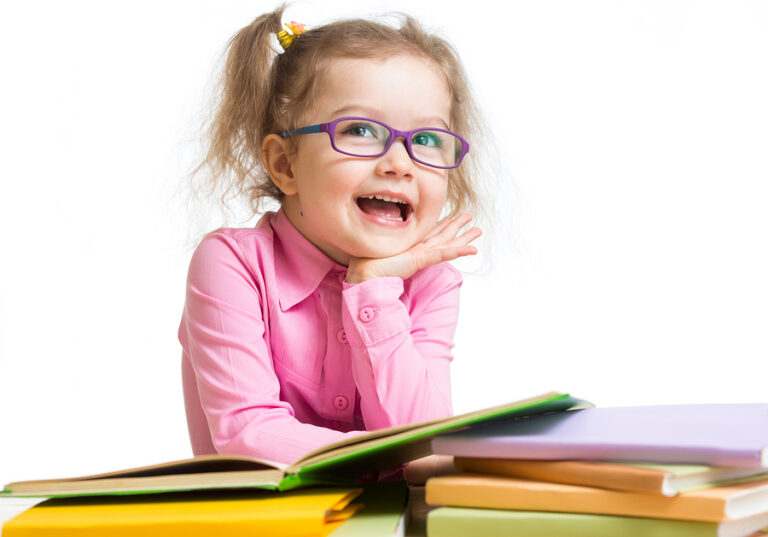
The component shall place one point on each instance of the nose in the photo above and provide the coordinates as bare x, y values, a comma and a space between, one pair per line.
396, 162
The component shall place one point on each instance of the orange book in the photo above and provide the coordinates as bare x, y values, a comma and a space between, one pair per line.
664, 479
714, 504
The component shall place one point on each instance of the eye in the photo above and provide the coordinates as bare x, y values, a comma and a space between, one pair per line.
360, 129
426, 139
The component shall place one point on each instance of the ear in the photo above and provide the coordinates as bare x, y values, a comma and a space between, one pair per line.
274, 155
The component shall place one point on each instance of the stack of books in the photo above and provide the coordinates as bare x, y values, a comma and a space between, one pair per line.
316, 496
661, 471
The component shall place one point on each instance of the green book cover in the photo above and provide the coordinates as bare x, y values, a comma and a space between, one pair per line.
339, 463
460, 522
383, 514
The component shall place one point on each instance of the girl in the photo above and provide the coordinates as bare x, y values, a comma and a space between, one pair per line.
335, 314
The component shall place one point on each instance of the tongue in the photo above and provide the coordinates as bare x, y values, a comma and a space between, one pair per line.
383, 209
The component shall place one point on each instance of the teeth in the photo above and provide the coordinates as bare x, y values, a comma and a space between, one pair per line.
385, 198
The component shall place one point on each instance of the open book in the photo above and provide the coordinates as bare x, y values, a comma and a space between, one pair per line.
339, 463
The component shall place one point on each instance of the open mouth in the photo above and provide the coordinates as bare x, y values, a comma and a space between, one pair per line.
385, 207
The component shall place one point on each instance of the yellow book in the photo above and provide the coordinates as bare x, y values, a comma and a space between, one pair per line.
309, 513
729, 502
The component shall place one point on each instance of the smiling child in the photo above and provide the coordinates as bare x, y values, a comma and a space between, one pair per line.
335, 314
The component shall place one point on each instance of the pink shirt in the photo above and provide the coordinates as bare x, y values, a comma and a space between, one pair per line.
282, 356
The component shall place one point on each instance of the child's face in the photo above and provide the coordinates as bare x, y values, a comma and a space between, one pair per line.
404, 92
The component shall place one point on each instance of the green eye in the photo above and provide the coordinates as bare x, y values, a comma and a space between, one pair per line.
427, 139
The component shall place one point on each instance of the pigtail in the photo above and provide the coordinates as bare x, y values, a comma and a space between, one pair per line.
233, 160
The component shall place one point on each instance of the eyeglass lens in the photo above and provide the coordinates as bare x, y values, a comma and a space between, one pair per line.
367, 138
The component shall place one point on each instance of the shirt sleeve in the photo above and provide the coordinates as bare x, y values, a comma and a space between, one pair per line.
223, 336
401, 353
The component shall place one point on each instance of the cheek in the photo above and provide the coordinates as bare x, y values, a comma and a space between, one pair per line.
341, 179
435, 194
312, 155
321, 179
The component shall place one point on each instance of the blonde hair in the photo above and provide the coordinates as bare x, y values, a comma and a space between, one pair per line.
264, 91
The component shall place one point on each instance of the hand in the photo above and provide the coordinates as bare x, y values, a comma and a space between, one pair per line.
443, 244
417, 472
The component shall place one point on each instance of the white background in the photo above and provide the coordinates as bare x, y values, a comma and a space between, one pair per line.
633, 182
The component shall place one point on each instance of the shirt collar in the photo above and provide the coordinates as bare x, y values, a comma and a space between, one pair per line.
300, 266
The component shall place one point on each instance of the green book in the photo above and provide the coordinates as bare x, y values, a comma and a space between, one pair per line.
340, 463
460, 522
384, 512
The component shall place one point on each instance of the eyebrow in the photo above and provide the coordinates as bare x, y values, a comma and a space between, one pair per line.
374, 113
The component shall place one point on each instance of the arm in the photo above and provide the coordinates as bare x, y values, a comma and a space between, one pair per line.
401, 358
224, 333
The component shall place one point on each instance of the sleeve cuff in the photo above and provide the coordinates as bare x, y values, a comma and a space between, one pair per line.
372, 310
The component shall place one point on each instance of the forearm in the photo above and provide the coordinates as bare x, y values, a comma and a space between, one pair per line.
226, 418
397, 386
401, 353
271, 434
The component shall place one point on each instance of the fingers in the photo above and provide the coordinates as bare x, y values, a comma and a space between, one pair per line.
447, 229
446, 242
466, 237
440, 255
438, 227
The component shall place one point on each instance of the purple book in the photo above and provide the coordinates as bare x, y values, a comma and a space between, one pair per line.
711, 435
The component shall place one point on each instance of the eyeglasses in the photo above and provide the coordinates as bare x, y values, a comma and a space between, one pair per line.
365, 137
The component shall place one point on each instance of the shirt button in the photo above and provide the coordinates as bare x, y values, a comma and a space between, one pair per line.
342, 276
340, 402
366, 314
341, 335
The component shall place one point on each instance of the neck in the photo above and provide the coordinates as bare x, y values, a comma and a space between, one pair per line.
291, 206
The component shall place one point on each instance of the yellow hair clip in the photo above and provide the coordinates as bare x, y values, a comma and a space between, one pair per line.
285, 38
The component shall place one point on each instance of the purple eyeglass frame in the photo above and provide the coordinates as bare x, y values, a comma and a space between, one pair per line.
330, 129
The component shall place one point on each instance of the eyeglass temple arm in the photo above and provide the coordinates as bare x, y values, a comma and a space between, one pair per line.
321, 127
